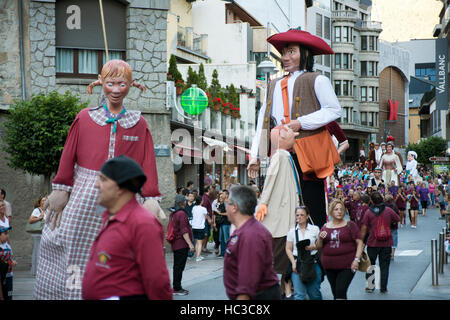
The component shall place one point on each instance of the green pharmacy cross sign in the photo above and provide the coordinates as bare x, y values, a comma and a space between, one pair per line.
194, 101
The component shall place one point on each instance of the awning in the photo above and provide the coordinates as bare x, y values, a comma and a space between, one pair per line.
187, 151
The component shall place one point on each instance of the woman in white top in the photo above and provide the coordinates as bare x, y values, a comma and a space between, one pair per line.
199, 214
38, 212
304, 231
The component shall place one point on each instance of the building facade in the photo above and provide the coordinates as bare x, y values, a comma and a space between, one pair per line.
58, 45
355, 72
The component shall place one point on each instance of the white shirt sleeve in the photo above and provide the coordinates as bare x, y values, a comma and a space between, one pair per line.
257, 137
330, 109
36, 213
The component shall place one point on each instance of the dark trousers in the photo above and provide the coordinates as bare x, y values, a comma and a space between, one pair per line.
216, 236
313, 193
179, 262
339, 282
272, 293
384, 253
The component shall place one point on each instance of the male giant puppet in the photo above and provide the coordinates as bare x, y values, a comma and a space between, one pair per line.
96, 135
306, 102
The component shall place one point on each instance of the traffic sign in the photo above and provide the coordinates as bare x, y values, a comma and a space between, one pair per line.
439, 159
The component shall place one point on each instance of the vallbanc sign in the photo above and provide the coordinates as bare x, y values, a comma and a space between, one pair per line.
441, 74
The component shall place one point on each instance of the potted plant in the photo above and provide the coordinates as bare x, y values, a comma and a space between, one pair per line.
227, 108
235, 112
179, 85
217, 104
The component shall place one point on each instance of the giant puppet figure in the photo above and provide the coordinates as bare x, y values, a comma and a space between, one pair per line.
411, 167
73, 214
306, 102
280, 195
391, 165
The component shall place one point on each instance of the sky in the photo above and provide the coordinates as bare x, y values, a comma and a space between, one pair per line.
403, 20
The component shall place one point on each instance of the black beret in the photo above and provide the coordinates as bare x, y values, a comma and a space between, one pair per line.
123, 170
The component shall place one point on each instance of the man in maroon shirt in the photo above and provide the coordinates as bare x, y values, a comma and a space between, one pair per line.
248, 271
127, 257
182, 243
207, 203
378, 248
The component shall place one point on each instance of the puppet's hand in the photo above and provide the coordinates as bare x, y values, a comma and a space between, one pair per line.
153, 206
253, 168
262, 212
55, 203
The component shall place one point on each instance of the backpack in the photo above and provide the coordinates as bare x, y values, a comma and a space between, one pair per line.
170, 237
383, 230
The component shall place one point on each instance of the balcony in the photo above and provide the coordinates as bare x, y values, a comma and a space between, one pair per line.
192, 42
371, 25
344, 15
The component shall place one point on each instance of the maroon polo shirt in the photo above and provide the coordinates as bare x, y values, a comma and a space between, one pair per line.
370, 220
248, 265
207, 204
181, 226
127, 257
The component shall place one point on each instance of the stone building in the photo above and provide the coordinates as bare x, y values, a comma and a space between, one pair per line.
355, 72
58, 45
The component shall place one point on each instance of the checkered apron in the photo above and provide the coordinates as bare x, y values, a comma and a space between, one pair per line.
64, 251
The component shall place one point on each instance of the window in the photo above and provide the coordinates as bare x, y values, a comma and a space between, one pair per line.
376, 119
345, 61
363, 68
371, 43
363, 94
346, 115
426, 70
78, 49
370, 94
326, 28
319, 25
327, 60
345, 34
363, 43
371, 119
337, 87
337, 61
337, 34
345, 88
337, 6
318, 59
364, 118
372, 68
82, 63
327, 74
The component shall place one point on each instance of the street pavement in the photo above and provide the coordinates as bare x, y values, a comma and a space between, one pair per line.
409, 276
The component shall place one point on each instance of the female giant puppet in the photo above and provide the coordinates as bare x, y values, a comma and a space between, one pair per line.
391, 165
306, 102
73, 215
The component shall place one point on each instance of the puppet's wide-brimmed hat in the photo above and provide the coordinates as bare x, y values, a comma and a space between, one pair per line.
315, 44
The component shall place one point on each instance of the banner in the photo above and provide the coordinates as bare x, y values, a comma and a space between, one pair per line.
441, 74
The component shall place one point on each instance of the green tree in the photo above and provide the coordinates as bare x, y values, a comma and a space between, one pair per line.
233, 96
202, 82
214, 88
173, 69
192, 78
35, 132
430, 147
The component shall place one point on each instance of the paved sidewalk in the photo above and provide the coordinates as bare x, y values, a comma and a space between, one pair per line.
211, 267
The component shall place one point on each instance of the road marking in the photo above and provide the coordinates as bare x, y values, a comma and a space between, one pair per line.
408, 253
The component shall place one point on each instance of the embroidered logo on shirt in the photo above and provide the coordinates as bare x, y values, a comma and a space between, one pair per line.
233, 240
103, 259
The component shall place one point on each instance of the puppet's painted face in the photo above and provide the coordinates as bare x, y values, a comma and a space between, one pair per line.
291, 58
389, 148
410, 157
116, 89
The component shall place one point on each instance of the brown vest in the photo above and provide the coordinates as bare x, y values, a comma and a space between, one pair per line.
304, 102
